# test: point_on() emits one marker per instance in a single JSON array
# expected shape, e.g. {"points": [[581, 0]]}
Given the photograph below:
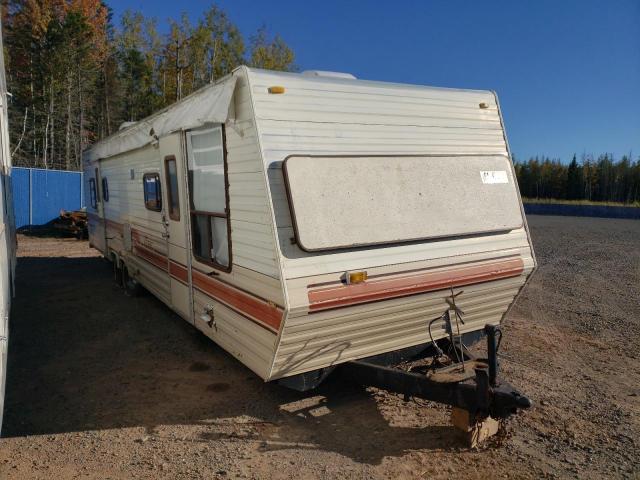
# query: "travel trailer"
{"points": [[302, 221], [7, 232]]}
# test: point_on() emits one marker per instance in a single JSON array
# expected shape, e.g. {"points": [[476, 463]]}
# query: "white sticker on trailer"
{"points": [[494, 176]]}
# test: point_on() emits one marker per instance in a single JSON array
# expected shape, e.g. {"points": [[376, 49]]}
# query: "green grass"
{"points": [[578, 202]]}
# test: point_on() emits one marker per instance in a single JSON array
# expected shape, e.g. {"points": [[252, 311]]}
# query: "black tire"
{"points": [[131, 286], [118, 274]]}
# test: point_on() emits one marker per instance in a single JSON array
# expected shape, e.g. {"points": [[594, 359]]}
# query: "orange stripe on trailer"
{"points": [[263, 312], [179, 272], [384, 289], [257, 310], [147, 241], [260, 311], [150, 256]]}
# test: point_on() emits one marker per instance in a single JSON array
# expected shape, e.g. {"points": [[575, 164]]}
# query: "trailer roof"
{"points": [[343, 78], [210, 104]]}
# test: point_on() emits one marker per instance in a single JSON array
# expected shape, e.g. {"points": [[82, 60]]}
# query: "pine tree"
{"points": [[75, 77], [271, 54], [574, 180]]}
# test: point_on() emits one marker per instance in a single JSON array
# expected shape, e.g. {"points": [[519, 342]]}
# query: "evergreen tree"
{"points": [[574, 180], [75, 78], [602, 180]]}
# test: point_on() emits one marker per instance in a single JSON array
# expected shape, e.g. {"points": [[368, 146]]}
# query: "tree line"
{"points": [[75, 76], [601, 179]]}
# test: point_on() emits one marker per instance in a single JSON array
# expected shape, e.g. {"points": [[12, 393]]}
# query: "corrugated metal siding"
{"points": [[21, 195], [52, 191], [298, 288], [252, 232], [126, 195], [253, 248], [252, 344], [45, 194], [254, 253], [317, 116], [340, 117], [327, 338], [330, 116], [300, 264], [126, 205]]}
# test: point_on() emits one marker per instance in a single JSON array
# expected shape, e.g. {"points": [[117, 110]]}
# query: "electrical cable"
{"points": [[435, 345]]}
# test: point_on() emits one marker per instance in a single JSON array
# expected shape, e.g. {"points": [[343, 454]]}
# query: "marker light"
{"points": [[356, 277], [276, 89], [484, 105]]}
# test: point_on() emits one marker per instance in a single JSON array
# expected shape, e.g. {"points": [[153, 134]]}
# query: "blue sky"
{"points": [[567, 72]]}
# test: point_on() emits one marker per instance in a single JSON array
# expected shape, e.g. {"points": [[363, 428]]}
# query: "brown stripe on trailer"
{"points": [[150, 256], [265, 313], [262, 312], [370, 291], [179, 272]]}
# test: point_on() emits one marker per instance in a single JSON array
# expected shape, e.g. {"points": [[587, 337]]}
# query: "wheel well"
{"points": [[115, 258]]}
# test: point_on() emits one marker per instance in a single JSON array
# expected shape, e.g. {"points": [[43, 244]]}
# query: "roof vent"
{"points": [[124, 125], [322, 73]]}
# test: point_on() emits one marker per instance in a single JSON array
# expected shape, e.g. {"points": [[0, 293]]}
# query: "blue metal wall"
{"points": [[39, 195], [20, 190]]}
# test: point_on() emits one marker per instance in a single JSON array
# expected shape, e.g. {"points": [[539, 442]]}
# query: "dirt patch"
{"points": [[199, 367], [218, 387], [102, 385]]}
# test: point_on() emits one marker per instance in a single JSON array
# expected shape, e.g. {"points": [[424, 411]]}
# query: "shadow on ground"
{"points": [[83, 356]]}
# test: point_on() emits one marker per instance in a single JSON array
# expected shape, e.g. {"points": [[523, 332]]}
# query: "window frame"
{"points": [[172, 215], [158, 195], [93, 193], [226, 214], [105, 189]]}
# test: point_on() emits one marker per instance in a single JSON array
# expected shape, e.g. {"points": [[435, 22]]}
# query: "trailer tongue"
{"points": [[470, 385]]}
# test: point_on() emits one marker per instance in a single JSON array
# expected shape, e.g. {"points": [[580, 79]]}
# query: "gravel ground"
{"points": [[101, 385]]}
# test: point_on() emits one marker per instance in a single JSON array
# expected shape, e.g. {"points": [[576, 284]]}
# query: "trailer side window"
{"points": [[105, 190], [171, 170], [97, 176], [152, 192], [209, 196], [92, 193]]}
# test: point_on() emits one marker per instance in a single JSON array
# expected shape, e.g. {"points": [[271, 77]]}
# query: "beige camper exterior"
{"points": [[7, 232], [247, 206]]}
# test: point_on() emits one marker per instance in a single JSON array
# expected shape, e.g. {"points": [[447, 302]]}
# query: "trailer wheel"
{"points": [[118, 274], [131, 286]]}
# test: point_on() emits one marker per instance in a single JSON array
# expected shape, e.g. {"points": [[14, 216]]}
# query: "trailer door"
{"points": [[95, 209], [175, 222]]}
